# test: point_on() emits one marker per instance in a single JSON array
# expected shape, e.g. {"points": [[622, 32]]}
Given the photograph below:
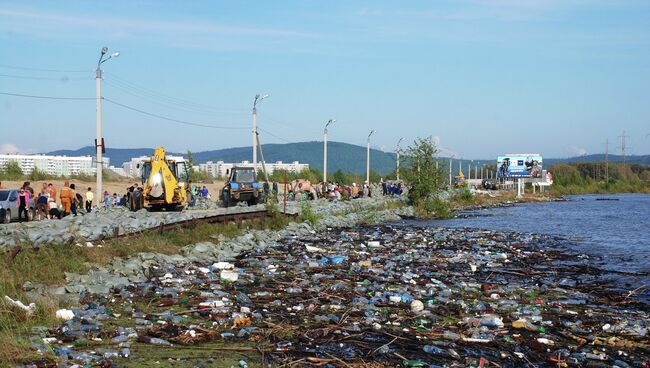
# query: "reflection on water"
{"points": [[617, 231]]}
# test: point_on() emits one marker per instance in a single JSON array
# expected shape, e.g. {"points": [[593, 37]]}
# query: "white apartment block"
{"points": [[222, 169], [131, 167], [53, 165]]}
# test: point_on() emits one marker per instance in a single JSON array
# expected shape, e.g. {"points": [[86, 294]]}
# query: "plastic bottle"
{"points": [[433, 350]]}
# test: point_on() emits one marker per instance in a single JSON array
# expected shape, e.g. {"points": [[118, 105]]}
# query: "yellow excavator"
{"points": [[163, 182], [459, 180]]}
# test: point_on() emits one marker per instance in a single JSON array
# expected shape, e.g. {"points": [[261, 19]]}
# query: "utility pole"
{"points": [[623, 146], [397, 152], [607, 161], [258, 98], [330, 121], [368, 159], [450, 169], [100, 148], [266, 176]]}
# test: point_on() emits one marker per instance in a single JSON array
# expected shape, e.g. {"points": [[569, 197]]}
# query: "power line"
{"points": [[47, 97], [64, 78], [165, 103], [43, 70], [172, 119], [273, 135], [174, 100]]}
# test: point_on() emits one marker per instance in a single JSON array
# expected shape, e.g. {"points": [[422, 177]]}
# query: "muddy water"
{"points": [[615, 232]]}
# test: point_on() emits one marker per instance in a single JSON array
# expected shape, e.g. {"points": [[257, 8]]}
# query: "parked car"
{"points": [[9, 206]]}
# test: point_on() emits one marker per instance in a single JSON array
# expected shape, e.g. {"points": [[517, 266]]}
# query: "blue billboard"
{"points": [[519, 166]]}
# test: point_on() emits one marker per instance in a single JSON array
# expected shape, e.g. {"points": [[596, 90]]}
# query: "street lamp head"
{"points": [[115, 54], [330, 121], [104, 50]]}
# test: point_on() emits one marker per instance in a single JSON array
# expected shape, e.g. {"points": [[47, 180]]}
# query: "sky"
{"points": [[483, 78]]}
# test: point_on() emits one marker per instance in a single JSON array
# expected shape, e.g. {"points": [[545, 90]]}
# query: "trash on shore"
{"points": [[388, 294]]}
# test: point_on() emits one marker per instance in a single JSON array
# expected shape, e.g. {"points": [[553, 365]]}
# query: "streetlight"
{"points": [[397, 153], [99, 141], [258, 98], [368, 159], [330, 121]]}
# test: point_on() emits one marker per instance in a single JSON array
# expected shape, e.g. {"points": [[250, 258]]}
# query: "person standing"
{"points": [[74, 203], [27, 186], [23, 204], [107, 199], [66, 196], [52, 190], [89, 200]]}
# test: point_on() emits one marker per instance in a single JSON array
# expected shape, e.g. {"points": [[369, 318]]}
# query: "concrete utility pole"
{"points": [[330, 121], [99, 140], [258, 98], [450, 169], [397, 149], [607, 161], [368, 158]]}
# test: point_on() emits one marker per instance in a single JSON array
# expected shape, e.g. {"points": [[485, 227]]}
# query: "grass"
{"points": [[48, 265]]}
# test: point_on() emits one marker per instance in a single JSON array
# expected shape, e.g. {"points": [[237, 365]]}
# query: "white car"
{"points": [[9, 206]]}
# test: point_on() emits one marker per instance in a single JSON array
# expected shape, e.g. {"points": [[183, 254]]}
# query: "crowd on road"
{"points": [[51, 202], [305, 190]]}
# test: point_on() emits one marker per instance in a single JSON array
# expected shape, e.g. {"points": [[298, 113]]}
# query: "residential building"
{"points": [[222, 169], [133, 167], [53, 165]]}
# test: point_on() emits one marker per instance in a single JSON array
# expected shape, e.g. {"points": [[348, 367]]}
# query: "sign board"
{"points": [[526, 165]]}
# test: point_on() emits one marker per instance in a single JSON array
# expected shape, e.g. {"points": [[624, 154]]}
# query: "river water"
{"points": [[615, 232]]}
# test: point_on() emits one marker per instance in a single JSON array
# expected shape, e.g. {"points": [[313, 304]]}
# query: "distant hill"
{"points": [[600, 157], [344, 156]]}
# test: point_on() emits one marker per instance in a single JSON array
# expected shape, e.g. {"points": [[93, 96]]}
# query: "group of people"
{"points": [[194, 191], [71, 201], [304, 190], [46, 201]]}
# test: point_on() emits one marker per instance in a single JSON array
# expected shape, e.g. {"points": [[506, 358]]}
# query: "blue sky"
{"points": [[557, 77]]}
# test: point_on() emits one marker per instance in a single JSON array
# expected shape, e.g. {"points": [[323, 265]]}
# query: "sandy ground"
{"points": [[112, 186]]}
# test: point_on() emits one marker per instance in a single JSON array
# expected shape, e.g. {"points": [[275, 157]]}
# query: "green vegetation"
{"points": [[584, 178], [307, 214], [316, 176], [11, 171], [424, 180]]}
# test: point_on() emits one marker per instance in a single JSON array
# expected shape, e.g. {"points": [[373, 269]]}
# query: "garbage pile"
{"points": [[380, 296]]}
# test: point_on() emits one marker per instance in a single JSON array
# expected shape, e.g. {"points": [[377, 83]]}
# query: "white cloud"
{"points": [[6, 148], [577, 151], [174, 32]]}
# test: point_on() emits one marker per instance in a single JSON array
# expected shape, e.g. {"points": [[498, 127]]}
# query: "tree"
{"points": [[12, 170], [421, 176]]}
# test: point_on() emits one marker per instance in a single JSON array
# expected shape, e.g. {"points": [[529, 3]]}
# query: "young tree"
{"points": [[420, 174]]}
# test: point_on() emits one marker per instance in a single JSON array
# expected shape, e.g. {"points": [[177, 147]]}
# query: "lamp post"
{"points": [[368, 158], [330, 121], [397, 154], [258, 98], [99, 140]]}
